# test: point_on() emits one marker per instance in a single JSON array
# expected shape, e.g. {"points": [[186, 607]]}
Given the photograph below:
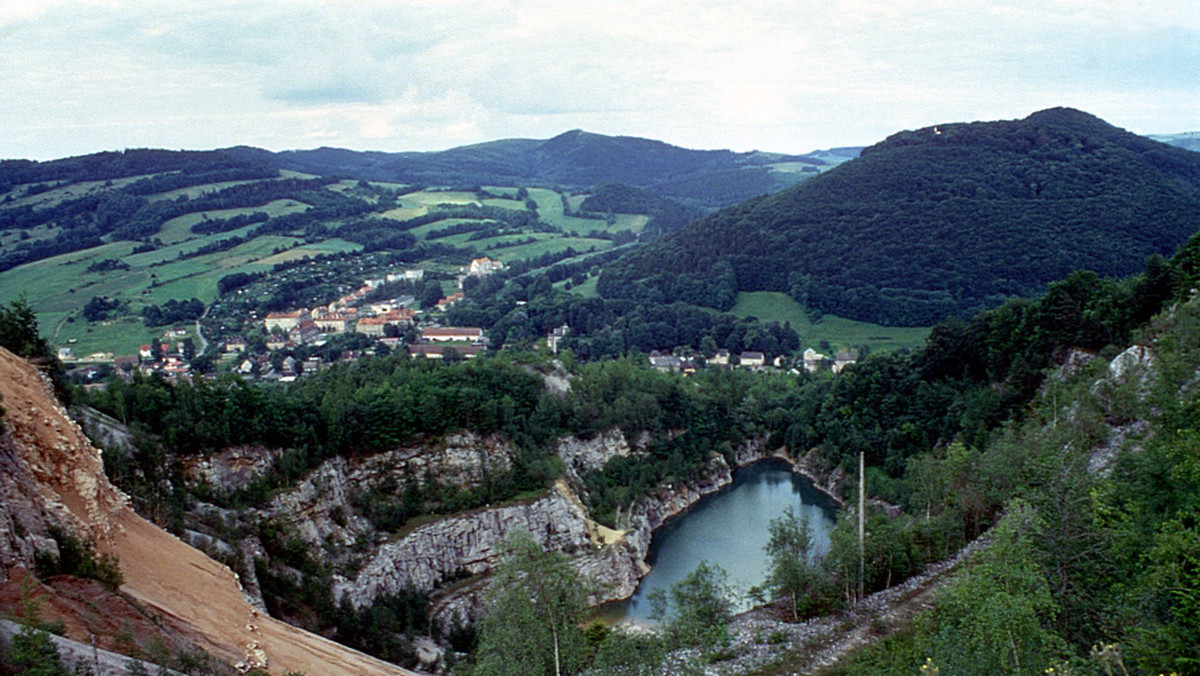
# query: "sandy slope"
{"points": [[160, 570]]}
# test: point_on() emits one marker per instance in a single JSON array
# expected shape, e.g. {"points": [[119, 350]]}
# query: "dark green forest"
{"points": [[940, 221]]}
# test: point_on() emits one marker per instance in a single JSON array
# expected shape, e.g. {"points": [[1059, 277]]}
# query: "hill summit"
{"points": [[942, 220], [576, 158]]}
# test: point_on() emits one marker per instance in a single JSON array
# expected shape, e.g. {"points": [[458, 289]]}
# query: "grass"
{"points": [[72, 191], [550, 210], [59, 287], [429, 198], [194, 191], [585, 290], [840, 333], [515, 205], [547, 246], [180, 229], [404, 213], [121, 336]]}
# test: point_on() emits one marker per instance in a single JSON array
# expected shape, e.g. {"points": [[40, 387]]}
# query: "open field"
{"points": [[194, 191], [429, 198], [840, 333], [69, 191], [586, 290], [180, 229], [550, 210], [545, 246]]}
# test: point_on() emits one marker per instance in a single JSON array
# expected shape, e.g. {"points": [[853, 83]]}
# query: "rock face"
{"points": [[584, 455], [49, 471], [233, 468], [468, 544]]}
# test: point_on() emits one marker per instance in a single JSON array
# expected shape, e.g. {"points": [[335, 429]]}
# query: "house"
{"points": [[285, 321], [332, 323], [434, 351], [235, 344], [482, 267], [813, 360], [720, 358], [371, 326], [65, 354], [449, 300], [146, 352], [441, 334], [407, 275], [276, 342], [305, 332], [844, 359], [400, 317], [555, 336], [752, 359], [665, 362]]}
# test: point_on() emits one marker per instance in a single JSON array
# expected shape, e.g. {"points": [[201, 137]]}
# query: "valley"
{"points": [[363, 398]]}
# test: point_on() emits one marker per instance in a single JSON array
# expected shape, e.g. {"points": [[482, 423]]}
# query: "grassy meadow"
{"points": [[838, 332]]}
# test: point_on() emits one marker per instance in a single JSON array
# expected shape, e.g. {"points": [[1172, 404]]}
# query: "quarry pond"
{"points": [[730, 529]]}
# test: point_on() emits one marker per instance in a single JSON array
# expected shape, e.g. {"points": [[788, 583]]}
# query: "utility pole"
{"points": [[862, 510]]}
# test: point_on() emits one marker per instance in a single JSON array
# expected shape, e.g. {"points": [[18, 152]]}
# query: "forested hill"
{"points": [[573, 159], [938, 221]]}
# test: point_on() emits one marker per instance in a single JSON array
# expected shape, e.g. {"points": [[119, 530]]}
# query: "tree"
{"points": [[19, 331], [536, 604], [34, 654], [698, 609], [790, 550], [994, 616]]}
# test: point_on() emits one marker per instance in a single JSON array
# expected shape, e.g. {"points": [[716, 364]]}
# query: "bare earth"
{"points": [[160, 571]]}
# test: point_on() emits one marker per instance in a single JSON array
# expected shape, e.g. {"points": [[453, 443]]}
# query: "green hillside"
{"points": [[939, 221], [575, 159], [125, 231]]}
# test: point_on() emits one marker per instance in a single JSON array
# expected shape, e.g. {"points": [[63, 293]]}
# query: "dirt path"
{"points": [[820, 643]]}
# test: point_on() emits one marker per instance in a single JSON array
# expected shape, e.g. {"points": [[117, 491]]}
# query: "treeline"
{"points": [[928, 224], [210, 226], [666, 216], [84, 221], [189, 177], [113, 165], [173, 312], [511, 217]]}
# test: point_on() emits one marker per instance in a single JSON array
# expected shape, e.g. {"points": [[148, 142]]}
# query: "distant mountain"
{"points": [[574, 159], [941, 220], [1189, 140]]}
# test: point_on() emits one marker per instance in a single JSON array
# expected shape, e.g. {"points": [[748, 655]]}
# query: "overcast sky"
{"points": [[785, 75]]}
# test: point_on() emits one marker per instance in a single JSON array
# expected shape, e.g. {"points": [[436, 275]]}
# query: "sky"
{"points": [[81, 76]]}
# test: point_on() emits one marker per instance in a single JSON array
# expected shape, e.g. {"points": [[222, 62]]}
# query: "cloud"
{"points": [[785, 75]]}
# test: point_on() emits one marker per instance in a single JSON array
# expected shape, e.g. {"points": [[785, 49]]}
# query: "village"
{"points": [[285, 345]]}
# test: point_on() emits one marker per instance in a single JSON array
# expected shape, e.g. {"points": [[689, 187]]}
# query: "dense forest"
{"points": [[939, 221]]}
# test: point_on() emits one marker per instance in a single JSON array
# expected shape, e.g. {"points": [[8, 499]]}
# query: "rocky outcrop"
{"points": [[462, 459], [49, 471], [319, 509], [470, 544], [584, 455], [233, 468], [467, 544]]}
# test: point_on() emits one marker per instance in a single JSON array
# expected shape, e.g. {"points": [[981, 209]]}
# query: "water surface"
{"points": [[730, 529]]}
